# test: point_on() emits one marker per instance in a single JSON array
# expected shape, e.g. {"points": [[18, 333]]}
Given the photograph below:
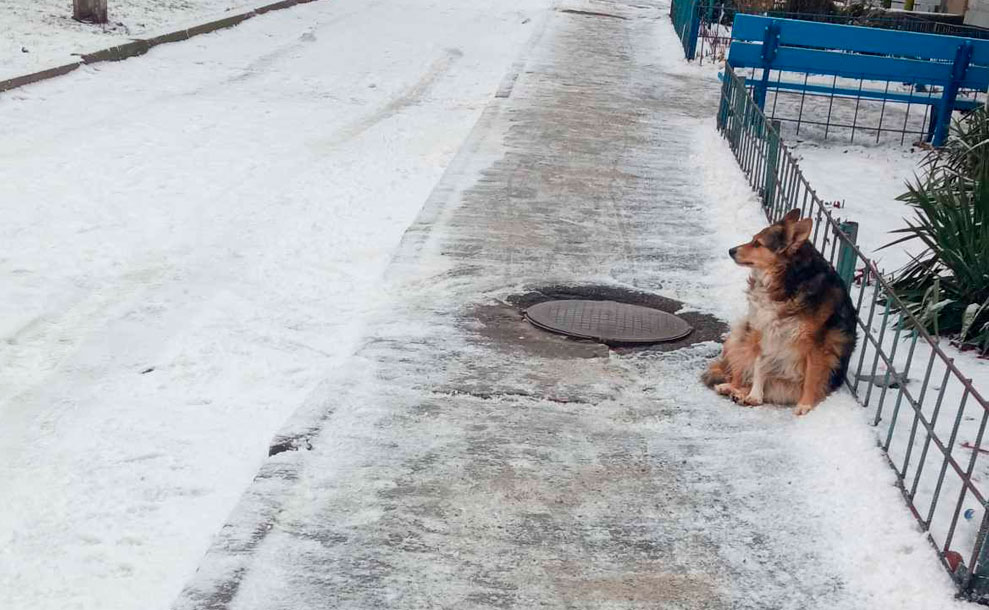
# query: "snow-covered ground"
{"points": [[184, 261], [442, 475], [839, 429], [867, 180], [40, 34], [188, 259], [861, 181]]}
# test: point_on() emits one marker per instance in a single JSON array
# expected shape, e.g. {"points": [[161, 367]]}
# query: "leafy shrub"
{"points": [[947, 286]]}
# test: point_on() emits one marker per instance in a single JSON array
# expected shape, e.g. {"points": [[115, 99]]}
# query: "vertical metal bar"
{"points": [[790, 175], [882, 112], [858, 100], [918, 410], [776, 93], [770, 157], [792, 183], [906, 116], [967, 479], [803, 96], [723, 101], [949, 447], [927, 439], [827, 124], [759, 153], [784, 175], [739, 94], [817, 220], [875, 361], [868, 330], [834, 244], [899, 395]]}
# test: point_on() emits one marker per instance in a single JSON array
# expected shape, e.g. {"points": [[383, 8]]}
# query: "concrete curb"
{"points": [[27, 79], [140, 46]]}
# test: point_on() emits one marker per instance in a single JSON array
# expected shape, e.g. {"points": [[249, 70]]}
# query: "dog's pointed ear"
{"points": [[798, 232], [792, 216]]}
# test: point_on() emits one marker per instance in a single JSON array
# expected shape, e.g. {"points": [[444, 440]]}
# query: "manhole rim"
{"points": [[687, 327]]}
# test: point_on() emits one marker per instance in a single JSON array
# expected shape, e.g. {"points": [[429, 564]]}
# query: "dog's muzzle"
{"points": [[732, 252]]}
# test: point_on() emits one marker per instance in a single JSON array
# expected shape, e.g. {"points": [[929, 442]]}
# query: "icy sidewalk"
{"points": [[463, 460]]}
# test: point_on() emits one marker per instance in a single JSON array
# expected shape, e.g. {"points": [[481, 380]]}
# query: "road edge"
{"points": [[140, 46]]}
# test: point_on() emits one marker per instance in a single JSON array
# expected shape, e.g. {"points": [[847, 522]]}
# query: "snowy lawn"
{"points": [[842, 469], [861, 182], [867, 180], [186, 260], [40, 34]]}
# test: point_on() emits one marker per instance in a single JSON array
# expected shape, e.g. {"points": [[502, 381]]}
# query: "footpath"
{"points": [[466, 460]]}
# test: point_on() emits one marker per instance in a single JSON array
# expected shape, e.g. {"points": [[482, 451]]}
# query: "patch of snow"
{"points": [[865, 181], [838, 467], [187, 258], [40, 34]]}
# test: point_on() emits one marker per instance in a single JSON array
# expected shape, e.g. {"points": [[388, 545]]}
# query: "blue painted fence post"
{"points": [[947, 104], [770, 46]]}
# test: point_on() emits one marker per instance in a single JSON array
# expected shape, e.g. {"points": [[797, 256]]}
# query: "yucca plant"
{"points": [[965, 155], [946, 287]]}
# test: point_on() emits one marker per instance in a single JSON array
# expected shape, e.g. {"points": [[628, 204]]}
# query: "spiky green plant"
{"points": [[946, 287], [963, 158]]}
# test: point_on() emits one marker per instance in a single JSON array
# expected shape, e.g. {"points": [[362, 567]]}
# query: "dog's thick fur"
{"points": [[794, 344]]}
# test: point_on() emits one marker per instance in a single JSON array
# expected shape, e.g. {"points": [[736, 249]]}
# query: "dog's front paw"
{"points": [[751, 400], [725, 389], [739, 395], [803, 409]]}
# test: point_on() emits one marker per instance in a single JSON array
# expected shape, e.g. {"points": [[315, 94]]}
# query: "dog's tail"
{"points": [[716, 373]]}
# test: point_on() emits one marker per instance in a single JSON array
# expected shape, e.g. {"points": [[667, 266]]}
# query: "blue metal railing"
{"points": [[705, 25]]}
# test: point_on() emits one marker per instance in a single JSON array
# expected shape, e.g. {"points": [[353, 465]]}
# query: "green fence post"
{"points": [[724, 103], [846, 255], [772, 164], [695, 29], [978, 585], [738, 112]]}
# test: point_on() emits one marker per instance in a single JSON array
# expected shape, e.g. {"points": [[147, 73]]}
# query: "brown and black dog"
{"points": [[794, 344]]}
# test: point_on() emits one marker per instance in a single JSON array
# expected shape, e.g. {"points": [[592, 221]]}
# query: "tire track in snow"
{"points": [[410, 97]]}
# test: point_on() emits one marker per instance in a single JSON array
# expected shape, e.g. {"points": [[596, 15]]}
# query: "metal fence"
{"points": [[823, 108], [704, 26], [817, 107], [930, 419]]}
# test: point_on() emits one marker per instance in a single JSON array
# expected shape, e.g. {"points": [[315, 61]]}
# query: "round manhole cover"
{"points": [[608, 321]]}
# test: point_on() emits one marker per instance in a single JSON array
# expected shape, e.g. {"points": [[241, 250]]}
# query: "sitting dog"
{"points": [[794, 344]]}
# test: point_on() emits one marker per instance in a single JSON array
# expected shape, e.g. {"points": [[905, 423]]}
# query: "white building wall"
{"points": [[977, 13]]}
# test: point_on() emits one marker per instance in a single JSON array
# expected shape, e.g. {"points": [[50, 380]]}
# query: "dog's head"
{"points": [[774, 245]]}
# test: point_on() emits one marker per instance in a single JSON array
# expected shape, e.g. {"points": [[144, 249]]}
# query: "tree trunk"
{"points": [[93, 11]]}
